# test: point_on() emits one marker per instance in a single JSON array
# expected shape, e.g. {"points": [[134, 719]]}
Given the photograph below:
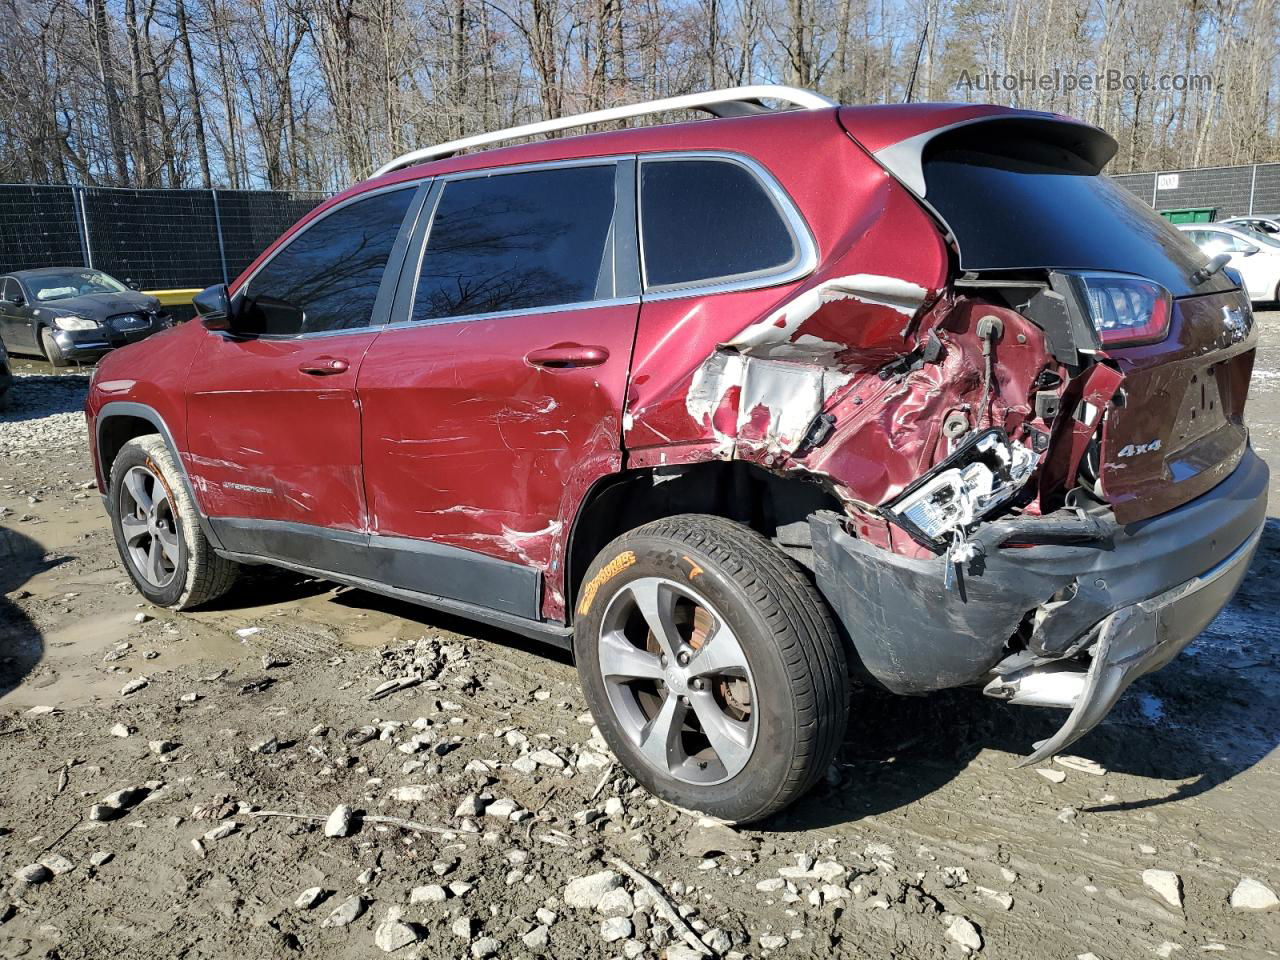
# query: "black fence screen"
{"points": [[1225, 191], [193, 238], [158, 238]]}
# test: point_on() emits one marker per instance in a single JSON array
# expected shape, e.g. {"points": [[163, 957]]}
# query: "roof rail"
{"points": [[734, 101]]}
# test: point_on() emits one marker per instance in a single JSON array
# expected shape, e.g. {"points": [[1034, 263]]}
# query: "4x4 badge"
{"points": [[1134, 449]]}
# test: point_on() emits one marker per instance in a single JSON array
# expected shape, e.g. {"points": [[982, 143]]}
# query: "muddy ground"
{"points": [[925, 842]]}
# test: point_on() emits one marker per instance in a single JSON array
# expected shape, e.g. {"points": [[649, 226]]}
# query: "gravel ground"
{"points": [[223, 784]]}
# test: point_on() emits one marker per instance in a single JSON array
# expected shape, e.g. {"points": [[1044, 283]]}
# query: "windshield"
{"points": [[73, 283], [1022, 214]]}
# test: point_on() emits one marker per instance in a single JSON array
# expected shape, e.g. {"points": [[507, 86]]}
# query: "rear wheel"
{"points": [[52, 352], [157, 531], [712, 666]]}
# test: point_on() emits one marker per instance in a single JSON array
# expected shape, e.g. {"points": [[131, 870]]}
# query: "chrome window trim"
{"points": [[444, 180], [805, 262], [501, 314]]}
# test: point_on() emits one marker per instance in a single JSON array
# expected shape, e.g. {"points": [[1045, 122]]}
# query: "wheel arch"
{"points": [[774, 505], [120, 421]]}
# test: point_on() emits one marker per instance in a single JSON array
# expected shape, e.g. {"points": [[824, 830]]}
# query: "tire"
{"points": [[779, 716], [52, 352], [188, 572]]}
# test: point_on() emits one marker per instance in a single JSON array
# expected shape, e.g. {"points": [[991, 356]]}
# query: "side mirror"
{"points": [[213, 306], [1250, 250], [19, 299], [132, 284]]}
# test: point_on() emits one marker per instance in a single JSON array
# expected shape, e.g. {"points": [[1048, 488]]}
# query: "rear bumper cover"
{"points": [[1144, 637], [1137, 594]]}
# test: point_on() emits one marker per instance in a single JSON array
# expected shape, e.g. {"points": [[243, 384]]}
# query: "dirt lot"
{"points": [[925, 842]]}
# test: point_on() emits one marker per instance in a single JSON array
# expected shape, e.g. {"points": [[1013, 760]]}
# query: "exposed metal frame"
{"points": [[804, 99]]}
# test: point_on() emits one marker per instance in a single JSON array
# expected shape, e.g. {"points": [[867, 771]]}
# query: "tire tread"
{"points": [[803, 629]]}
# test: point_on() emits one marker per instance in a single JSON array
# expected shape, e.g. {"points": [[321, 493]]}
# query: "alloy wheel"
{"points": [[678, 681], [149, 525]]}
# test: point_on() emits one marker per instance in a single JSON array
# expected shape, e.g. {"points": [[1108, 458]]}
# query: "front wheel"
{"points": [[157, 530], [712, 666], [52, 352]]}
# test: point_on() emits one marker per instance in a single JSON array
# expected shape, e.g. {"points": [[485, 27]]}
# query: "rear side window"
{"points": [[709, 221], [518, 241], [328, 276]]}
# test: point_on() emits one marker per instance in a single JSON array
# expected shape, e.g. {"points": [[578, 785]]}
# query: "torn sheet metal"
{"points": [[760, 391], [765, 405], [779, 335]]}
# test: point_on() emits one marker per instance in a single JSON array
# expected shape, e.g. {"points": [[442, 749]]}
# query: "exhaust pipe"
{"points": [[1052, 685]]}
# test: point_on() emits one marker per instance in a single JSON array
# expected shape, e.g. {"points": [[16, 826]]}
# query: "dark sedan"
{"points": [[6, 377], [73, 313]]}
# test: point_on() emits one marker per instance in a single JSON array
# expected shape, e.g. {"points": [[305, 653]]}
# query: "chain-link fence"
{"points": [[158, 238], [1226, 191]]}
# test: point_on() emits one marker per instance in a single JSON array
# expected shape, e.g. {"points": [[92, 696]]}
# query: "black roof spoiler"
{"points": [[1042, 140]]}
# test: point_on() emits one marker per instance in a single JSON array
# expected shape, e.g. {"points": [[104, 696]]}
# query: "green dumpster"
{"points": [[1191, 215]]}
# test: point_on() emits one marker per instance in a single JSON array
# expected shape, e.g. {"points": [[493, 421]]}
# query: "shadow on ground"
{"points": [[21, 644], [1210, 715]]}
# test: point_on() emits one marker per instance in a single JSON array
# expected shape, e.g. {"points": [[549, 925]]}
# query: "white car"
{"points": [[1261, 223], [1255, 255]]}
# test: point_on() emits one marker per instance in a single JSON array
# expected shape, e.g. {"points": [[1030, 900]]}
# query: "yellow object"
{"points": [[606, 573], [173, 298]]}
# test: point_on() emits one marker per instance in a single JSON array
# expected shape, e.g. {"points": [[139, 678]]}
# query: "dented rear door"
{"points": [[495, 401]]}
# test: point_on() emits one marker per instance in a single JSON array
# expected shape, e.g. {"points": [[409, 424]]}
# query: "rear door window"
{"points": [[526, 240], [328, 276], [708, 221]]}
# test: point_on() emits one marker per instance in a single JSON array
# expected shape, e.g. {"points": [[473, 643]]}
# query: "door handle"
{"points": [[567, 355], [324, 366]]}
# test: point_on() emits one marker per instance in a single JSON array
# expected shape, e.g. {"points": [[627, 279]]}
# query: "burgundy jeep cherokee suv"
{"points": [[725, 406]]}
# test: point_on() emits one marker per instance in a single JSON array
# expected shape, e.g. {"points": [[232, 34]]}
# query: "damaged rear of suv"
{"points": [[1088, 500], [726, 407]]}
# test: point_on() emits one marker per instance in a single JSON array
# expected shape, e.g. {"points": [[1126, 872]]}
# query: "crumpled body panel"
{"points": [[743, 375]]}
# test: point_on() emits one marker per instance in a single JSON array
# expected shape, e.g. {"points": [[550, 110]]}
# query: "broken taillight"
{"points": [[1125, 310]]}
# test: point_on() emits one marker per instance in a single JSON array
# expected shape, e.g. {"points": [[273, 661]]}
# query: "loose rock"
{"points": [[33, 873], [309, 897], [431, 893], [347, 911], [339, 822], [615, 928], [1081, 764], [1251, 894], [1166, 884], [963, 932], [392, 935], [585, 893]]}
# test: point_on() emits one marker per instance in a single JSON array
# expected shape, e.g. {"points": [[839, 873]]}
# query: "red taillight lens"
{"points": [[1126, 310]]}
